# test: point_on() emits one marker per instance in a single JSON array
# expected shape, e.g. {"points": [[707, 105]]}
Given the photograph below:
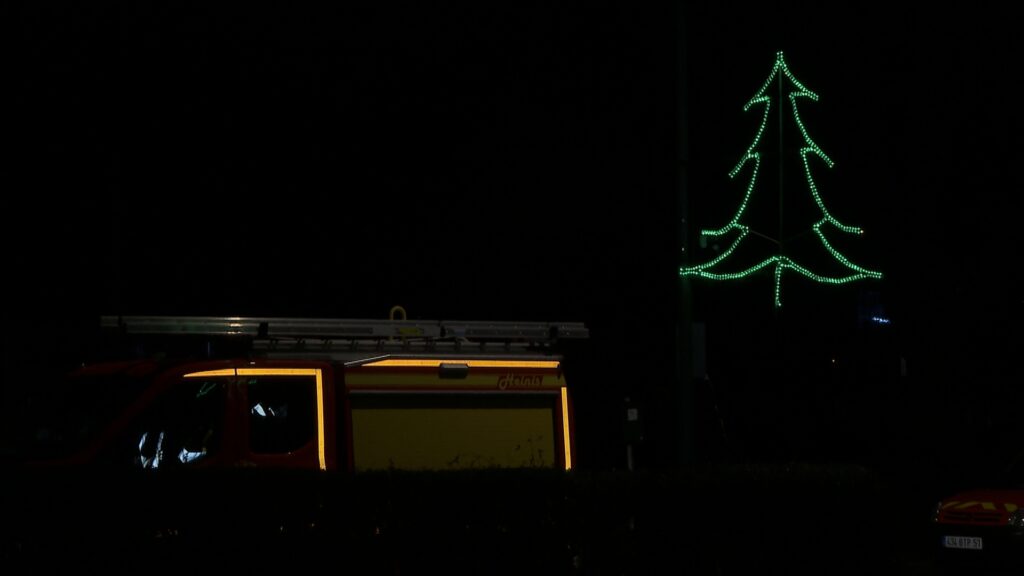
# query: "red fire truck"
{"points": [[333, 394], [255, 438]]}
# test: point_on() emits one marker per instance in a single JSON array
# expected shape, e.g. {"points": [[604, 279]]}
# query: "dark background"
{"points": [[538, 161]]}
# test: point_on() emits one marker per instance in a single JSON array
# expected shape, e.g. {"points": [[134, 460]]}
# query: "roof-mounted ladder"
{"points": [[347, 329]]}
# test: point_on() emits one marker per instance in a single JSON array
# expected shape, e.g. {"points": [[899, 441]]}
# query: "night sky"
{"points": [[530, 161]]}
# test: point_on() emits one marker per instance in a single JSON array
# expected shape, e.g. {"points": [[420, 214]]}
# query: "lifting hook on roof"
{"points": [[391, 316]]}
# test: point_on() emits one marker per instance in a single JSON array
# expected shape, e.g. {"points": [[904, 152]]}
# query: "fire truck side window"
{"points": [[282, 413], [181, 427]]}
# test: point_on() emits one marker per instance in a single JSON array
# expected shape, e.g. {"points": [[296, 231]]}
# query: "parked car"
{"points": [[983, 528]]}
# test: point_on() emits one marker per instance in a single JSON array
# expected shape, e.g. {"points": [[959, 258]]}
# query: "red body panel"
{"points": [[980, 507]]}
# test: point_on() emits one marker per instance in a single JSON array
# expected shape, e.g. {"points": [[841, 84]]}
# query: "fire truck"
{"points": [[328, 394], [387, 442]]}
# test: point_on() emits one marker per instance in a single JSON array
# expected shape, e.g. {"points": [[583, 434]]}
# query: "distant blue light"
{"points": [[880, 320]]}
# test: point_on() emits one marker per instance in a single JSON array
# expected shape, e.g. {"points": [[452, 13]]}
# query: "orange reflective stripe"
{"points": [[209, 373], [436, 362], [565, 428]]}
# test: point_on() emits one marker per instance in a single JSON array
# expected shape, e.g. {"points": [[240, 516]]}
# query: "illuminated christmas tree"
{"points": [[738, 230]]}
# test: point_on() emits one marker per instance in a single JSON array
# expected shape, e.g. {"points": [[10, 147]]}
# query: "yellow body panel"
{"points": [[452, 438]]}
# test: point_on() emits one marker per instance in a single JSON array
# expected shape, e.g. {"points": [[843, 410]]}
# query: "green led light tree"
{"points": [[779, 262]]}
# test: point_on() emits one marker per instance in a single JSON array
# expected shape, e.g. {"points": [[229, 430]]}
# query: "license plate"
{"points": [[962, 542]]}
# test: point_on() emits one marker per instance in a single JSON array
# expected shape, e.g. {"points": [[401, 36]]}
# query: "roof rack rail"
{"points": [[351, 329]]}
